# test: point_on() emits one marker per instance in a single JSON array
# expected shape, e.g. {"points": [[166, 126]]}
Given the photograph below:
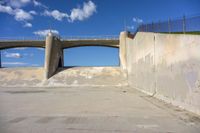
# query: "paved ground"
{"points": [[89, 110]]}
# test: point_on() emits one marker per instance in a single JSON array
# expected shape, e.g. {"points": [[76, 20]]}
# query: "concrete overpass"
{"points": [[54, 48], [65, 43]]}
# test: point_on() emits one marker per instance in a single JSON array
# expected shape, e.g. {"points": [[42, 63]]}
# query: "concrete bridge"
{"points": [[54, 48], [6, 44]]}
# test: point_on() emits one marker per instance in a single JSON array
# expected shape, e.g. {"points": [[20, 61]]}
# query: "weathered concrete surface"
{"points": [[21, 76], [89, 110], [80, 43], [53, 55], [13, 44], [77, 76], [88, 76], [166, 66], [122, 50]]}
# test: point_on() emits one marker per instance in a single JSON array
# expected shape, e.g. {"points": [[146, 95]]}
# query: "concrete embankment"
{"points": [[166, 66], [77, 76]]}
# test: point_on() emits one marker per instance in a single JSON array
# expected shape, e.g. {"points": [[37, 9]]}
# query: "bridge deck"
{"points": [[18, 43], [5, 44]]}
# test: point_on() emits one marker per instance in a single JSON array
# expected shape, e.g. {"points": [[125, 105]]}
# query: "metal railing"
{"points": [[104, 37], [22, 38], [180, 25]]}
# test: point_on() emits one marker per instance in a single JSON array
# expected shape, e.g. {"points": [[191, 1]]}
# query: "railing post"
{"points": [[169, 25], [146, 28], [153, 30], [184, 24], [159, 27], [0, 59]]}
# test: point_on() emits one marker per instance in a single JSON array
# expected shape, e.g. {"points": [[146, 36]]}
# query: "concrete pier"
{"points": [[122, 49], [53, 55]]}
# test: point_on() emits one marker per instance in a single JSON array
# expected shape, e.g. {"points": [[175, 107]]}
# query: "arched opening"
{"points": [[91, 56], [22, 57]]}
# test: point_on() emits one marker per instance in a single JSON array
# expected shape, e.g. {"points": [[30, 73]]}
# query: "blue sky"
{"points": [[33, 18]]}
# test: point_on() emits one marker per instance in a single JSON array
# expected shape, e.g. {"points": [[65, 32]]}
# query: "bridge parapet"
{"points": [[39, 38], [103, 37], [22, 38]]}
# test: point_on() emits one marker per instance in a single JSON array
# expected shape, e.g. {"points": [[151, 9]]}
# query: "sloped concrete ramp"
{"points": [[75, 76]]}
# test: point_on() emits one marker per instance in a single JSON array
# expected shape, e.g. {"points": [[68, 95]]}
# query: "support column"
{"points": [[53, 55], [122, 49]]}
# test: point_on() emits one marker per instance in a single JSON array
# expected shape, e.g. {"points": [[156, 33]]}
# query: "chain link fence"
{"points": [[180, 25]]}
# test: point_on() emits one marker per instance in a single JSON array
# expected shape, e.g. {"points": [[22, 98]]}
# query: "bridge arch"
{"points": [[90, 45], [22, 57], [91, 55], [81, 43]]}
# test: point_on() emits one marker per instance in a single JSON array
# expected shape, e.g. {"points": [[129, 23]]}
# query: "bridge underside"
{"points": [[64, 43], [14, 44], [78, 43]]}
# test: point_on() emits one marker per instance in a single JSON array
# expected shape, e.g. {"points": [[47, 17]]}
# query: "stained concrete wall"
{"points": [[122, 50], [53, 55], [166, 66]]}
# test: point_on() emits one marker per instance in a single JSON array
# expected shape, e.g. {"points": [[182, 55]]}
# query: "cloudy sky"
{"points": [[34, 18]]}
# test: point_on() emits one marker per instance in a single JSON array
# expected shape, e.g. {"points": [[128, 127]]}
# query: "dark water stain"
{"points": [[24, 92], [45, 120], [72, 120], [17, 120]]}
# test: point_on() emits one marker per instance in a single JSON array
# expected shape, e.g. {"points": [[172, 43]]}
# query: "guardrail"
{"points": [[106, 37], [190, 24], [22, 38]]}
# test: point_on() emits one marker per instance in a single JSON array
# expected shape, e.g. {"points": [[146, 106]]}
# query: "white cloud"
{"points": [[14, 63], [36, 3], [88, 9], [21, 15], [43, 33], [17, 3], [6, 9], [33, 12], [12, 55], [21, 48], [130, 27], [28, 25], [137, 20], [55, 14], [81, 14], [39, 4], [41, 49]]}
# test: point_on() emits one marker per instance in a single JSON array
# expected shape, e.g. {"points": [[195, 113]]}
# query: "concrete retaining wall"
{"points": [[166, 66]]}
